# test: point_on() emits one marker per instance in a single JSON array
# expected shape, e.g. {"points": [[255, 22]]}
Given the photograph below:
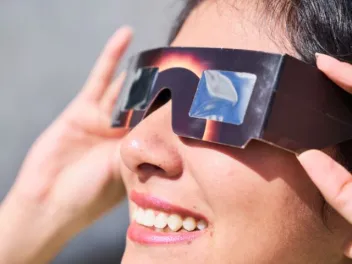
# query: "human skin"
{"points": [[70, 176], [260, 204]]}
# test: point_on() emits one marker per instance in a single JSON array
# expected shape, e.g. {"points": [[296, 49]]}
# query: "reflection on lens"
{"points": [[141, 84], [223, 96]]}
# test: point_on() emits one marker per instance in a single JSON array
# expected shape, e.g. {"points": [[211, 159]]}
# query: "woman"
{"points": [[256, 205]]}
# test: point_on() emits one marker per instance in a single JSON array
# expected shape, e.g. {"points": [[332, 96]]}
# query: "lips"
{"points": [[158, 222]]}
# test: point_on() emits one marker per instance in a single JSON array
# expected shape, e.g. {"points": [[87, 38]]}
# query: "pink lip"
{"points": [[144, 235], [146, 201]]}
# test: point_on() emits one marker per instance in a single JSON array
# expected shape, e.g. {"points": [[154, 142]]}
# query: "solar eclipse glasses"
{"points": [[231, 97]]}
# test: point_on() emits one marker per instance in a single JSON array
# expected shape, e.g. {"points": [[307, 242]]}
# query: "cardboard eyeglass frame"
{"points": [[293, 105]]}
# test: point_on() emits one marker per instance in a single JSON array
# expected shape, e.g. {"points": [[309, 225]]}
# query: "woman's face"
{"points": [[252, 206]]}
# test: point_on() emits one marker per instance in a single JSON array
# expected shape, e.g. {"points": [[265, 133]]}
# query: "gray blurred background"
{"points": [[47, 49]]}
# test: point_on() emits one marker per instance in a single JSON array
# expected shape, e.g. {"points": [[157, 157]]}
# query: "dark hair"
{"points": [[323, 26]]}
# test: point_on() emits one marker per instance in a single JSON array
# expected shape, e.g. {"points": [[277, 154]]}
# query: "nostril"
{"points": [[150, 169]]}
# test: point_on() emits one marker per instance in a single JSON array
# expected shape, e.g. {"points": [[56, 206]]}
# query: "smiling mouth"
{"points": [[158, 222]]}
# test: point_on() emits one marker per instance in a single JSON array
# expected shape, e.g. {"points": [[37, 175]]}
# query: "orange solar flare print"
{"points": [[193, 64], [186, 61]]}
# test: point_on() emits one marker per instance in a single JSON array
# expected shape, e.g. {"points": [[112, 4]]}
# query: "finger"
{"points": [[348, 250], [109, 99], [334, 181], [83, 189], [339, 72], [103, 71]]}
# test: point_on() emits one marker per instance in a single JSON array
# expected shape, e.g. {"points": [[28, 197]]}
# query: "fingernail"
{"points": [[325, 62], [321, 56], [326, 57], [317, 54], [306, 158]]}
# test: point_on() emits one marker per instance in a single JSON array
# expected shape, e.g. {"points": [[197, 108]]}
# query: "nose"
{"points": [[152, 148]]}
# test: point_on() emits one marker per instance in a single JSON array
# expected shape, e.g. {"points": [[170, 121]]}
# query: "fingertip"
{"points": [[339, 72], [124, 31], [121, 38], [310, 159], [309, 153], [348, 250], [325, 62]]}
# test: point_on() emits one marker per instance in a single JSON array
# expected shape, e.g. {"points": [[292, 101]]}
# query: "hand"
{"points": [[71, 174], [334, 181]]}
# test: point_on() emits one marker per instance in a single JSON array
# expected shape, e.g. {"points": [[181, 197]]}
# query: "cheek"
{"points": [[128, 178], [244, 180], [262, 196]]}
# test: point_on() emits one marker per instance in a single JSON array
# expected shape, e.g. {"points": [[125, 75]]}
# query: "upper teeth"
{"points": [[189, 224], [161, 220], [175, 222]]}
